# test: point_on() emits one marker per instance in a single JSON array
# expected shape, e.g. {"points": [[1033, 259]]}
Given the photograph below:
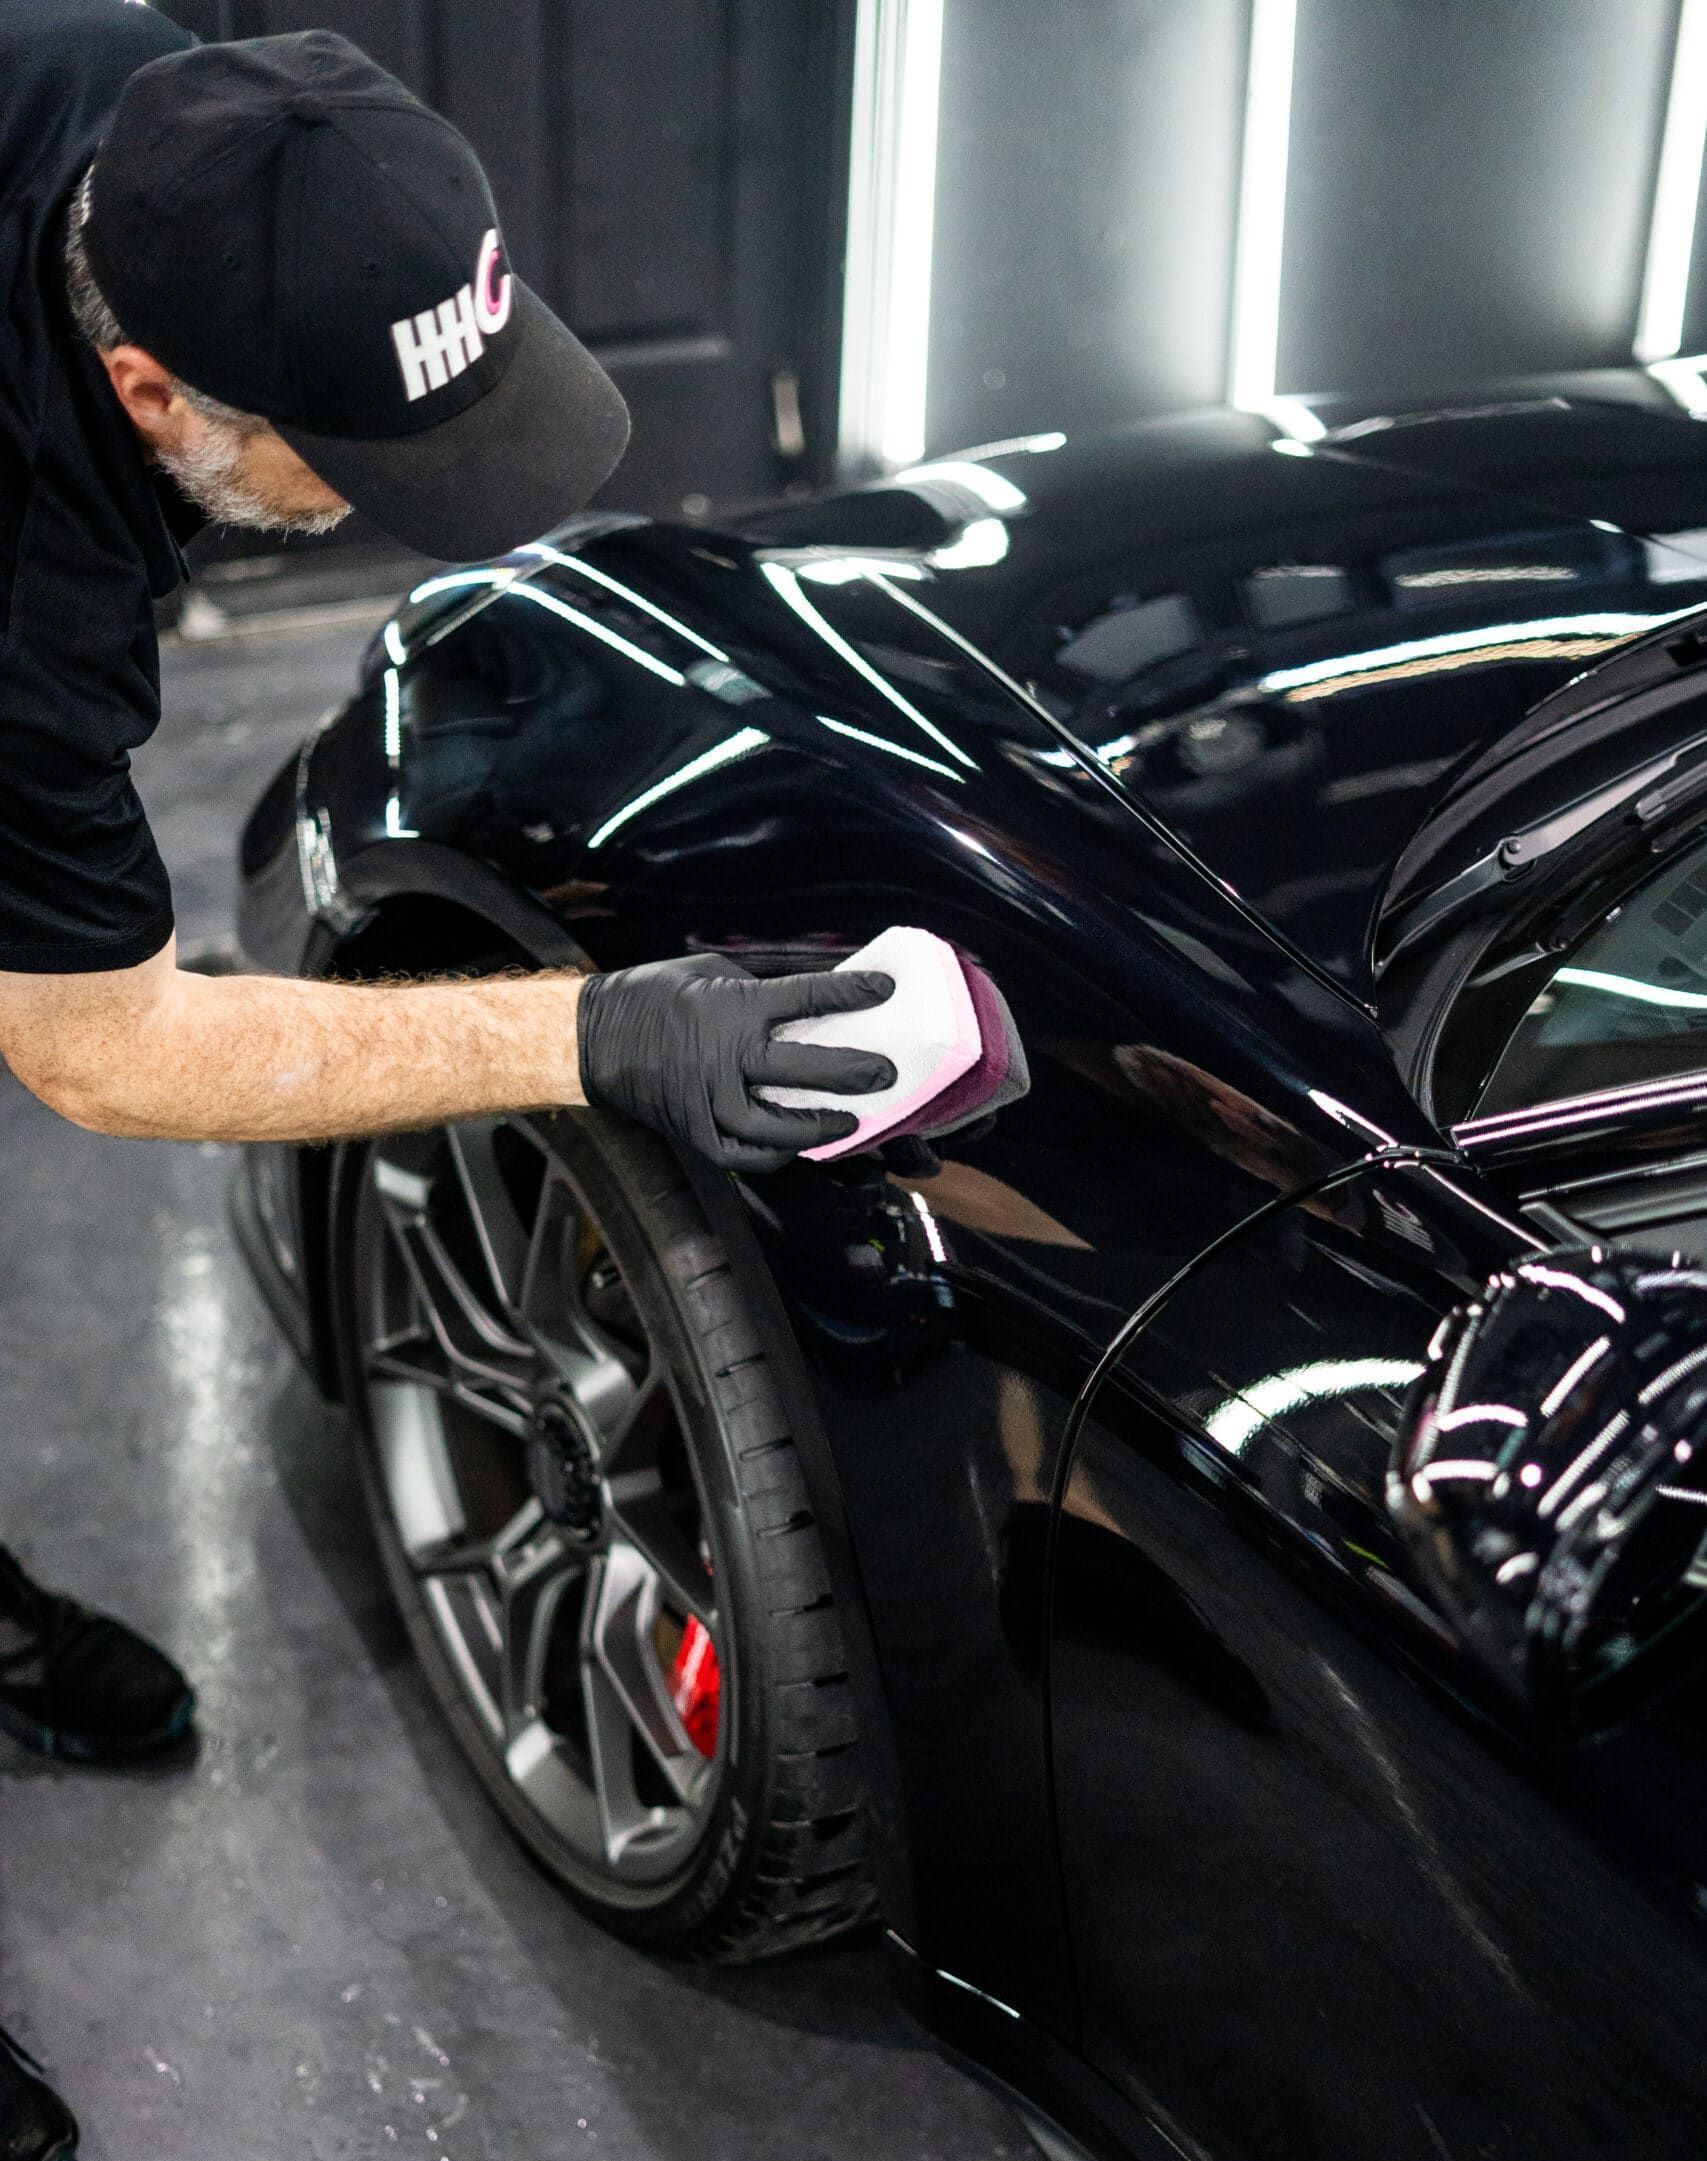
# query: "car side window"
{"points": [[1629, 1004]]}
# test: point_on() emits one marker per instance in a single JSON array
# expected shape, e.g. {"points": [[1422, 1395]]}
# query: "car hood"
{"points": [[1284, 651]]}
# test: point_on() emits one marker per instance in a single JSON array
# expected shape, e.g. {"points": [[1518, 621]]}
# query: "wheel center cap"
{"points": [[563, 1471]]}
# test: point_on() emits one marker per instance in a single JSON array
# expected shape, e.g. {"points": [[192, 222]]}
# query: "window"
{"points": [[1629, 1005]]}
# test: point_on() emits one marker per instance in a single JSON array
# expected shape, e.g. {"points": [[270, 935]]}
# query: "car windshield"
{"points": [[1628, 1005]]}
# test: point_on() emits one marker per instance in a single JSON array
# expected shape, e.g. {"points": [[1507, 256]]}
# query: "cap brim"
{"points": [[518, 461]]}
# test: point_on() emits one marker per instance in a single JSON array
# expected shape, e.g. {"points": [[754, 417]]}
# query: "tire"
{"points": [[554, 1544]]}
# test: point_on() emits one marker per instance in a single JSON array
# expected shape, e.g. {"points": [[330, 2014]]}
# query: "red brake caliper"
{"points": [[696, 1684]]}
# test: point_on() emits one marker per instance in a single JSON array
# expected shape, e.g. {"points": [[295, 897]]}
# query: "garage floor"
{"points": [[311, 1936]]}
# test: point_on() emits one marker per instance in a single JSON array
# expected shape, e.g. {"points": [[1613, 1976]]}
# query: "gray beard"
{"points": [[209, 475]]}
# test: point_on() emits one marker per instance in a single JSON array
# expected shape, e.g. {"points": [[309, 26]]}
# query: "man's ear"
{"points": [[147, 391]]}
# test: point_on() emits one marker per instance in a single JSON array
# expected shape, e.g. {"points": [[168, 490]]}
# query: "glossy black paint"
{"points": [[1186, 1770]]}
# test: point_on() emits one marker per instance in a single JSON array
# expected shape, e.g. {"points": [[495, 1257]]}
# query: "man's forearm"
{"points": [[687, 1046], [237, 1058]]}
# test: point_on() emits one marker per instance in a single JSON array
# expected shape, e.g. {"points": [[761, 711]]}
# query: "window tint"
{"points": [[1630, 1004]]}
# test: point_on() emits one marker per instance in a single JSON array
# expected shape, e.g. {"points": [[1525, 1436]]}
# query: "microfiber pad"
{"points": [[1000, 1077], [964, 1098], [928, 1030]]}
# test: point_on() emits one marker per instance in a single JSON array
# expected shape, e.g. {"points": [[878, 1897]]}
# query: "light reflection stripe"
{"points": [[1451, 645], [452, 581], [1675, 1372], [1561, 1279], [1234, 1423], [623, 592], [787, 586], [1573, 1373], [734, 746], [1631, 987], [1583, 1462], [393, 717], [1479, 1414], [895, 750], [595, 629]]}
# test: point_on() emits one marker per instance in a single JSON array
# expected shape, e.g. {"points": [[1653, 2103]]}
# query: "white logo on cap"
{"points": [[440, 342]]}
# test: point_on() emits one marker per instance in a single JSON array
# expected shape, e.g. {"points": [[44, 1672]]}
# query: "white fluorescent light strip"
{"points": [[895, 750], [1262, 208], [734, 746], [891, 224], [783, 580], [1682, 380], [1677, 192]]}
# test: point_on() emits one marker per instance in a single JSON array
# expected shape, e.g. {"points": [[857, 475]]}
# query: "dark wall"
{"points": [[1088, 164], [670, 175], [1471, 186]]}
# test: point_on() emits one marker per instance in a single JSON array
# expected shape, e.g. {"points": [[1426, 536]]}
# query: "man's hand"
{"points": [[684, 1046]]}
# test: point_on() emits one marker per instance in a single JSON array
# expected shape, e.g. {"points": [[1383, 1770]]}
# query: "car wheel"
{"points": [[595, 1522]]}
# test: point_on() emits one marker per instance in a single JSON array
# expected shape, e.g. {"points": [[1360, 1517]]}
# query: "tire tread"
{"points": [[808, 1876]]}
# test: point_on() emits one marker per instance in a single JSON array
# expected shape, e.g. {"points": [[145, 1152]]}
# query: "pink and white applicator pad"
{"points": [[933, 1031]]}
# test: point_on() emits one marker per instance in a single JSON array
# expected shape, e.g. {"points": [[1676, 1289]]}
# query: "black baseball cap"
{"points": [[289, 229]]}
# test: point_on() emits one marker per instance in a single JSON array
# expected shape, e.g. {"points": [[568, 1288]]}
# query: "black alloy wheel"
{"points": [[595, 1522]]}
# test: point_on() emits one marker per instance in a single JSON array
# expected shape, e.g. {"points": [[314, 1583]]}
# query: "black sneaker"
{"points": [[35, 2124], [79, 1684]]}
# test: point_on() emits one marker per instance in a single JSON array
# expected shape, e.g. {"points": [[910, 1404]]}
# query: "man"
{"points": [[261, 282]]}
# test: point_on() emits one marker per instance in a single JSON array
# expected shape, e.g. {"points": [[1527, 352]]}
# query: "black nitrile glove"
{"points": [[682, 1045]]}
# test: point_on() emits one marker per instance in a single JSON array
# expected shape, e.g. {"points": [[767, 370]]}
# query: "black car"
{"points": [[1215, 1560]]}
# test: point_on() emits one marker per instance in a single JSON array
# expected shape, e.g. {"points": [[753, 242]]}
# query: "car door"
{"points": [[1329, 1893]]}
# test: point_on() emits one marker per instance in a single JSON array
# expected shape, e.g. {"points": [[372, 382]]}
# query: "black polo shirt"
{"points": [[88, 539]]}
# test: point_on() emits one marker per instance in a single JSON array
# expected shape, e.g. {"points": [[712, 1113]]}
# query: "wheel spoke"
{"points": [[414, 1355], [622, 1813], [619, 1646], [543, 1294], [644, 1513], [601, 1384], [646, 1521], [552, 1310], [504, 1240], [462, 1555], [635, 1437], [532, 1575], [478, 1347]]}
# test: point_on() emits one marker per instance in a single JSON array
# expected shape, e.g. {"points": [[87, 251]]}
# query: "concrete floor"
{"points": [[311, 1935]]}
